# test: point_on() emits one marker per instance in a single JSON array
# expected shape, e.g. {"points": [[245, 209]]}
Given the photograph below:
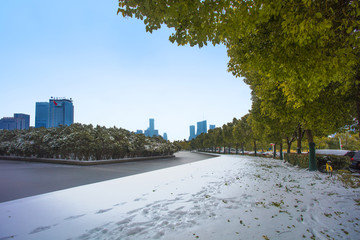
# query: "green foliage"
{"points": [[302, 160], [83, 142], [301, 58], [349, 180], [337, 162], [183, 145], [348, 140], [242, 132]]}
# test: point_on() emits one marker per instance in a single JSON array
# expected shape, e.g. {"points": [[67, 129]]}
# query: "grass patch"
{"points": [[277, 204], [348, 180]]}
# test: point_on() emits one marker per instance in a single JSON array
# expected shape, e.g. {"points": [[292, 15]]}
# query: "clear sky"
{"points": [[116, 73]]}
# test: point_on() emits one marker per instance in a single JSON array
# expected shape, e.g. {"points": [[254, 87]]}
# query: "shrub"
{"points": [[83, 142], [302, 160]]}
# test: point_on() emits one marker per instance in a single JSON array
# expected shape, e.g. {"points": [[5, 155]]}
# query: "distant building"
{"points": [[58, 111], [8, 123], [201, 127], [25, 123], [165, 136], [151, 131], [192, 132], [139, 132], [61, 112], [19, 121], [41, 114]]}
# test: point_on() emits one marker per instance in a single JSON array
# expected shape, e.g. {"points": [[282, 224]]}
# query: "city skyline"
{"points": [[201, 128], [116, 72]]}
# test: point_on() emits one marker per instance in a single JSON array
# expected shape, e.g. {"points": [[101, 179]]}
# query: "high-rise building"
{"points": [[152, 124], [151, 131], [192, 132], [41, 114], [58, 111], [24, 124], [19, 121], [201, 127], [8, 123], [61, 112], [212, 127], [165, 136]]}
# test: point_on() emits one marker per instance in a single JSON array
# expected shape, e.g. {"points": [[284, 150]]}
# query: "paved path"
{"points": [[24, 179]]}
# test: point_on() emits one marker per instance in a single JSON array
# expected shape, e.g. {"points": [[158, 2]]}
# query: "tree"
{"points": [[305, 48], [211, 139], [242, 132], [218, 138], [228, 137], [304, 45]]}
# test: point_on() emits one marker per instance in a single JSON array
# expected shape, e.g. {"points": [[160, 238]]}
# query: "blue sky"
{"points": [[116, 73]]}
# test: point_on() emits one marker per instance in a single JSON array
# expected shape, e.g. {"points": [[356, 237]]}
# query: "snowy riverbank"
{"points": [[229, 197]]}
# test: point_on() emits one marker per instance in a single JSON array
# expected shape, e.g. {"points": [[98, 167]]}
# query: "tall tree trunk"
{"points": [[237, 148], [274, 154], [312, 156], [357, 100], [299, 138], [358, 112], [255, 147], [281, 151], [242, 148], [288, 144]]}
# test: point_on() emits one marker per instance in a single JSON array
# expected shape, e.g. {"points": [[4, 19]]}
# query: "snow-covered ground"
{"points": [[229, 197]]}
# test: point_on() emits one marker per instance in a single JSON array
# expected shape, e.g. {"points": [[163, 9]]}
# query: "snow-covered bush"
{"points": [[82, 142]]}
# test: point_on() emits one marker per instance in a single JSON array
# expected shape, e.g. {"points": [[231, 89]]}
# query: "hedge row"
{"points": [[82, 142], [302, 160]]}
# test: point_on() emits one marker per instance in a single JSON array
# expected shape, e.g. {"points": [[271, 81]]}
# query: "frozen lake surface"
{"points": [[229, 197]]}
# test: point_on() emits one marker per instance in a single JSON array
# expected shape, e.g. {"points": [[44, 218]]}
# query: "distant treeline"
{"points": [[82, 142]]}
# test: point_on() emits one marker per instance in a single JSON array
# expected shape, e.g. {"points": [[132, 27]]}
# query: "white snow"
{"points": [[228, 197], [332, 151]]}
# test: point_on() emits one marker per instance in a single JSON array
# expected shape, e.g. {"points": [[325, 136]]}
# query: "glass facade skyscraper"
{"points": [[8, 123], [24, 123], [151, 131], [61, 112], [41, 114], [201, 127], [192, 132], [58, 111]]}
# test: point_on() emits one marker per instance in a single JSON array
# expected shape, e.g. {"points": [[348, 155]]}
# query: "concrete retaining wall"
{"points": [[80, 163]]}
